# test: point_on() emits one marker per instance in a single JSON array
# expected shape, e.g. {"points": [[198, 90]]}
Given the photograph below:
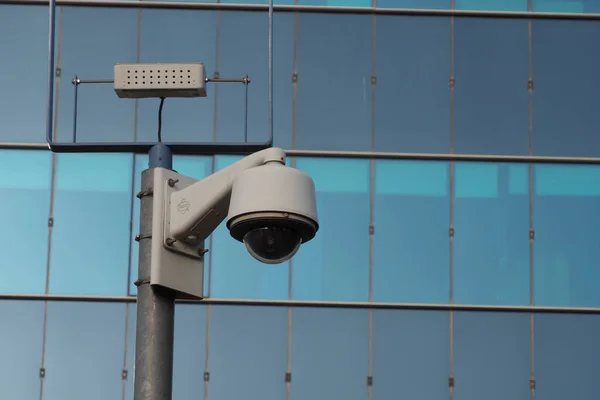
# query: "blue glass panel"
{"points": [[90, 239], [334, 94], [411, 354], [189, 352], [412, 104], [491, 5], [420, 4], [25, 192], [491, 101], [250, 56], [23, 72], [85, 344], [330, 353], [130, 354], [174, 36], [335, 264], [566, 6], [411, 217], [197, 167], [288, 2], [21, 339], [484, 345], [248, 353], [566, 356], [94, 40], [491, 239], [235, 274], [565, 99], [566, 208], [337, 3]]}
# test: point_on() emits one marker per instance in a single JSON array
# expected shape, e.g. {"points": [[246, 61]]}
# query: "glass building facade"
{"points": [[433, 276]]}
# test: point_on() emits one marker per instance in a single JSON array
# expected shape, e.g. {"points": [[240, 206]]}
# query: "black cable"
{"points": [[160, 108]]}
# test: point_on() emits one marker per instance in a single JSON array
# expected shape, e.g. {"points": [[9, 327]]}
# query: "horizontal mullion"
{"points": [[311, 9], [316, 304]]}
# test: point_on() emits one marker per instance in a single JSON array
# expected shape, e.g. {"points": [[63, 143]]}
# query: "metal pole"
{"points": [[155, 307]]}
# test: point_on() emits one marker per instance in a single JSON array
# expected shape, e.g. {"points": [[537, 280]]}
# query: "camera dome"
{"points": [[272, 244]]}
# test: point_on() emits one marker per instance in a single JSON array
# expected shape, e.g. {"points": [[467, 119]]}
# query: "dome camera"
{"points": [[269, 207], [272, 211]]}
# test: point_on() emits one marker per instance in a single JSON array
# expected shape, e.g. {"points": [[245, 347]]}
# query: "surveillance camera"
{"points": [[269, 207], [272, 211]]}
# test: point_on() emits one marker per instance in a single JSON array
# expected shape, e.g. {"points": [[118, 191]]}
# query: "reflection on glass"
{"points": [[491, 101], [491, 5], [21, 339], [329, 353], [411, 246], [412, 102], [93, 41], [565, 99], [79, 334], [566, 6], [25, 192], [491, 239], [335, 264], [234, 273], [174, 36], [410, 354], [249, 345], [23, 72], [334, 82], [419, 4], [90, 239], [566, 208], [566, 356], [250, 56], [486, 343]]}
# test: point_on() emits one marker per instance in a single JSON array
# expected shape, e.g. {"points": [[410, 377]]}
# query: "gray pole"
{"points": [[155, 307]]}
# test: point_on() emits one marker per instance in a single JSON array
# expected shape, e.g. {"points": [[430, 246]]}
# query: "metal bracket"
{"points": [[452, 83], [451, 232], [124, 375], [532, 384], [144, 193], [373, 80], [288, 377], [294, 78], [371, 229], [530, 84], [451, 382], [50, 222], [206, 376], [192, 247], [369, 381], [531, 234], [42, 372]]}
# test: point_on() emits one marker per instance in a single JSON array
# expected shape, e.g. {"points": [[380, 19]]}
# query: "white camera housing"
{"points": [[270, 207], [275, 197]]}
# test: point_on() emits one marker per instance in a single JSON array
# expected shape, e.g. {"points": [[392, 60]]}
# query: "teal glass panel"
{"points": [[334, 266], [25, 178], [411, 218]]}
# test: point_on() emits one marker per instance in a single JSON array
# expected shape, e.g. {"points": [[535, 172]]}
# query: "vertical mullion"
{"points": [[372, 203], [125, 372], [214, 167], [531, 194], [451, 211], [52, 192], [288, 373]]}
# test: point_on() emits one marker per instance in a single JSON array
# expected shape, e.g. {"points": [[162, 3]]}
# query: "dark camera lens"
{"points": [[272, 245]]}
